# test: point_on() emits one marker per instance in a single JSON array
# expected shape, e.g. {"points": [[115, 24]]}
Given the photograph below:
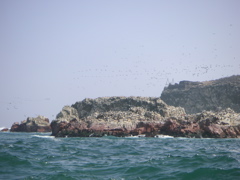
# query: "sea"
{"points": [[41, 156]]}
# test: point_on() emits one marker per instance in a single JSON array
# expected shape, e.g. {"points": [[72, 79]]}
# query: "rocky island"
{"points": [[207, 109], [137, 116], [4, 130], [117, 116], [38, 124]]}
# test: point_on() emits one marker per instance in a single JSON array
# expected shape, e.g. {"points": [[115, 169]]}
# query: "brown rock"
{"points": [[5, 130], [118, 116], [38, 124], [126, 116]]}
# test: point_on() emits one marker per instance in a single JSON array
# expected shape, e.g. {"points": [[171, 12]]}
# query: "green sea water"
{"points": [[40, 156]]}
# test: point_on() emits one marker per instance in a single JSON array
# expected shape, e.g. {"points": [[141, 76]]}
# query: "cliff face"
{"points": [[213, 95]]}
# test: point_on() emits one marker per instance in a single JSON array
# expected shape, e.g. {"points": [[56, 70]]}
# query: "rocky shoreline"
{"points": [[136, 116], [151, 116], [117, 116]]}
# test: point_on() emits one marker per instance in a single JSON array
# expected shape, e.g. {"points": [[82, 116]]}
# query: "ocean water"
{"points": [[40, 156]]}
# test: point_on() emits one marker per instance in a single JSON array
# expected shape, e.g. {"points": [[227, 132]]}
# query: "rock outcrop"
{"points": [[117, 116], [38, 124], [126, 116], [196, 97], [4, 130], [207, 124]]}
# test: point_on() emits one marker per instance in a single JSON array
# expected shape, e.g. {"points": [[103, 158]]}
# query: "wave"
{"points": [[163, 136], [41, 156], [138, 136], [41, 136]]}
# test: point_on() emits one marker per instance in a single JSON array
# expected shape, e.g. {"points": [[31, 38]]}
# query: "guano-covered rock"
{"points": [[117, 116], [38, 124]]}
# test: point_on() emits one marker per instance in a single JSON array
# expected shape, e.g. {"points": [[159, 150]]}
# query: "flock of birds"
{"points": [[149, 77], [150, 73], [141, 75], [147, 80]]}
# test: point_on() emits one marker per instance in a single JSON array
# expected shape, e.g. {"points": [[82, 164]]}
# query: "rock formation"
{"points": [[38, 124], [126, 116], [196, 97], [207, 124], [4, 130], [118, 116]]}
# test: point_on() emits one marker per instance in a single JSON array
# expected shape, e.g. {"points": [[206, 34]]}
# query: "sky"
{"points": [[55, 53]]}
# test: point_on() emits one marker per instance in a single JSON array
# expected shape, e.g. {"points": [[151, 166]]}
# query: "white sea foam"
{"points": [[163, 136], [138, 136], [131, 137], [41, 136]]}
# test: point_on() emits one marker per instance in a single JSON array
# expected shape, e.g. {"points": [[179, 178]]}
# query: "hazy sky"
{"points": [[54, 53]]}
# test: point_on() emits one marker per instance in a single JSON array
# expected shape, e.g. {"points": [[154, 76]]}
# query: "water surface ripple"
{"points": [[40, 156]]}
